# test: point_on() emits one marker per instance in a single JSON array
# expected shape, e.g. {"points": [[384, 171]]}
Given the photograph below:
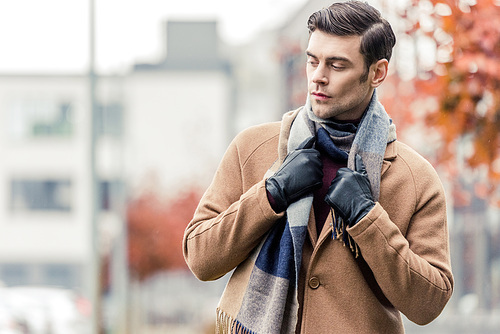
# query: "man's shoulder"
{"points": [[414, 161], [258, 144], [261, 133], [258, 135], [408, 153]]}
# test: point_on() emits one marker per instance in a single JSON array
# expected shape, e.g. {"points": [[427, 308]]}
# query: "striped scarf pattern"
{"points": [[270, 302]]}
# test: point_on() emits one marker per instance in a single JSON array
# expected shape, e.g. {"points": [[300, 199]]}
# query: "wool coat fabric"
{"points": [[404, 265]]}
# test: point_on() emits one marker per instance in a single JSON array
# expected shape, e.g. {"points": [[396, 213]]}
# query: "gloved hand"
{"points": [[349, 193], [300, 173]]}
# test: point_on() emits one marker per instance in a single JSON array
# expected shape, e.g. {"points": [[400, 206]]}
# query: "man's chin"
{"points": [[320, 112]]}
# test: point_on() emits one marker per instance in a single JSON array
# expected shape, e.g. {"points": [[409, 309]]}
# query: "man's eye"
{"points": [[337, 67]]}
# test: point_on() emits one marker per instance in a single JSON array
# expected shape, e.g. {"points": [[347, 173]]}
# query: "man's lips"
{"points": [[320, 96]]}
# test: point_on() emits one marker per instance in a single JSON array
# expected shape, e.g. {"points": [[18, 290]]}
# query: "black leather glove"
{"points": [[300, 173], [350, 194]]}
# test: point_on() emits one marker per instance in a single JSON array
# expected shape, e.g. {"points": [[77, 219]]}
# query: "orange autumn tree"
{"points": [[155, 230], [460, 93]]}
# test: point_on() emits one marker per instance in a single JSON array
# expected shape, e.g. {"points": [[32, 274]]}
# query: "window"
{"points": [[54, 122], [40, 118], [40, 195], [66, 275], [14, 274], [62, 275], [110, 194], [110, 119]]}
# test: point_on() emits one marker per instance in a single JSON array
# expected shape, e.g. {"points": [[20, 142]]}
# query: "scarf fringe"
{"points": [[225, 324], [339, 232]]}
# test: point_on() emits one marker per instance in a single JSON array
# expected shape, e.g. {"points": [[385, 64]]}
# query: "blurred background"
{"points": [[115, 115]]}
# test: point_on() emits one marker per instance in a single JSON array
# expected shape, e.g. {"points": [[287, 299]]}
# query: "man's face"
{"points": [[334, 68]]}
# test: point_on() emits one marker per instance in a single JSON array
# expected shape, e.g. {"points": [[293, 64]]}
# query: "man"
{"points": [[330, 224]]}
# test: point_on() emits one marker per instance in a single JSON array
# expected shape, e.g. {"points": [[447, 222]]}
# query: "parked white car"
{"points": [[9, 324], [12, 314], [47, 310]]}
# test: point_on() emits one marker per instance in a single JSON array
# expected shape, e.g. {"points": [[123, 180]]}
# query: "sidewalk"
{"points": [[176, 329]]}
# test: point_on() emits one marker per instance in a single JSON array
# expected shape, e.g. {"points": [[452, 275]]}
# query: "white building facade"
{"points": [[168, 122]]}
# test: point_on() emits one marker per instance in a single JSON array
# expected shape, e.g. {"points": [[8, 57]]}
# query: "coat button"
{"points": [[314, 282]]}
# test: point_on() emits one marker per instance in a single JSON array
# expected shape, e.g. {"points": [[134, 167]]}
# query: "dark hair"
{"points": [[357, 18]]}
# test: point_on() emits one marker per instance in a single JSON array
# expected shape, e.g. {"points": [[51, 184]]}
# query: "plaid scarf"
{"points": [[270, 302]]}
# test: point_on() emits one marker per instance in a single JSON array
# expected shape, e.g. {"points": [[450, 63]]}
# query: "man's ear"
{"points": [[379, 70]]}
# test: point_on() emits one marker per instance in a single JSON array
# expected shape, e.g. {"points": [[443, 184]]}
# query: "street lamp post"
{"points": [[95, 261]]}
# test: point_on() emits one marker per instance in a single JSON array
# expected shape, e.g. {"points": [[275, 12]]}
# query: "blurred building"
{"points": [[164, 125], [45, 234], [181, 109]]}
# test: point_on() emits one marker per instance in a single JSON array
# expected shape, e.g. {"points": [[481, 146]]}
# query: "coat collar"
{"points": [[286, 125]]}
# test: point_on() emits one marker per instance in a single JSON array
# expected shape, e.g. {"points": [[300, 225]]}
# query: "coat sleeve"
{"points": [[412, 269], [229, 221]]}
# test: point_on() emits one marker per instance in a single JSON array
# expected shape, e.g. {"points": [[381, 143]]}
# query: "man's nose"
{"points": [[320, 76]]}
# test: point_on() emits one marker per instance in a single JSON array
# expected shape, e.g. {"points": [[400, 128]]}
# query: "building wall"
{"points": [[164, 130], [44, 176], [177, 124]]}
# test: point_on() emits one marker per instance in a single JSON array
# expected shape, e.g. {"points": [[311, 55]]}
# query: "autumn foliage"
{"points": [[459, 96], [470, 103], [155, 230]]}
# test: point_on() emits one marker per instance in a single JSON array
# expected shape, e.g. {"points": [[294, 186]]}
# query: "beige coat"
{"points": [[404, 264]]}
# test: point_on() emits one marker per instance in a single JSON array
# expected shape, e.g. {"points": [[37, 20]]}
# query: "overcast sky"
{"points": [[53, 35]]}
